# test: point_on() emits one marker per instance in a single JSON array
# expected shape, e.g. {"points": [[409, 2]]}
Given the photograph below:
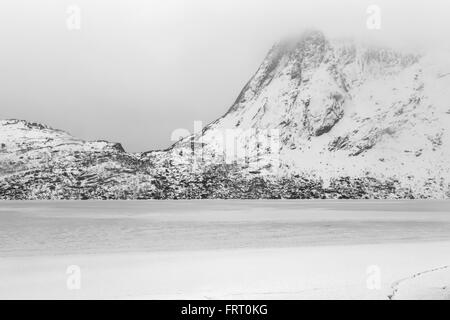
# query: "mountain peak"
{"points": [[307, 36], [334, 101], [343, 120], [25, 124]]}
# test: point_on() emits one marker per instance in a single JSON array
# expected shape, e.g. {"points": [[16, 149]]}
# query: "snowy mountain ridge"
{"points": [[319, 119], [343, 109]]}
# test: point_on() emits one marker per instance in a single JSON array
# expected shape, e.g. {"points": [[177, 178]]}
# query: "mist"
{"points": [[134, 71]]}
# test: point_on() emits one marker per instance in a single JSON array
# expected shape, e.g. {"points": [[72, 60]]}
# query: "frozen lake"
{"points": [[68, 227], [226, 249]]}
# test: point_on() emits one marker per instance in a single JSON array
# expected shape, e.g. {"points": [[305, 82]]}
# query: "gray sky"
{"points": [[136, 70]]}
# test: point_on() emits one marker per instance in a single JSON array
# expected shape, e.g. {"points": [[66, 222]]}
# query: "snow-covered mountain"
{"points": [[38, 162], [344, 109], [319, 119]]}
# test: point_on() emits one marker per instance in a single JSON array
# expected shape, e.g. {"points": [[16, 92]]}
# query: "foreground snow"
{"points": [[226, 250], [325, 272]]}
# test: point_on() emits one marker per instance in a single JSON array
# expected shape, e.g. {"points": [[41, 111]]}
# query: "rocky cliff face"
{"points": [[319, 119], [341, 109]]}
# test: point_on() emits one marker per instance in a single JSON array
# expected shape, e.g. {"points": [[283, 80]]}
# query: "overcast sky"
{"points": [[136, 70]]}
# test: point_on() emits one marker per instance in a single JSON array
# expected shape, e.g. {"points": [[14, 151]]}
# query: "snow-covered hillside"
{"points": [[343, 109], [320, 119], [38, 162]]}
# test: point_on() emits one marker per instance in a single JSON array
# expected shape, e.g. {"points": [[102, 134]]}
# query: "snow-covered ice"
{"points": [[226, 249]]}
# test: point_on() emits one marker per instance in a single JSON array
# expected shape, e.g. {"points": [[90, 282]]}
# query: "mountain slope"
{"points": [[342, 109], [319, 119], [38, 162]]}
